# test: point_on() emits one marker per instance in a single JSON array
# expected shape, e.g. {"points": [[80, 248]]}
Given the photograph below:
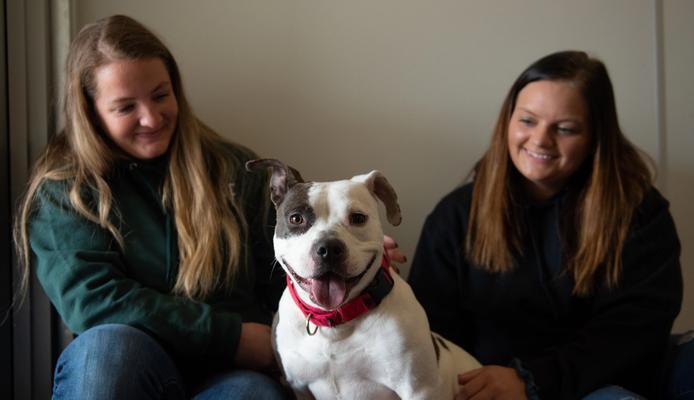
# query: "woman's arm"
{"points": [[437, 268]]}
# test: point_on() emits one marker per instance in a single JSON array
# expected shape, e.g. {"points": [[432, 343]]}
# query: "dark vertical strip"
{"points": [[6, 277], [28, 54]]}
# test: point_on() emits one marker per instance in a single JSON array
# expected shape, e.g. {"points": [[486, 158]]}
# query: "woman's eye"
{"points": [[161, 96], [526, 121], [296, 219], [357, 219], [125, 109], [566, 130]]}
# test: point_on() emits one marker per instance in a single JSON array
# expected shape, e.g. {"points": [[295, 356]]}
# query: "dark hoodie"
{"points": [[571, 345]]}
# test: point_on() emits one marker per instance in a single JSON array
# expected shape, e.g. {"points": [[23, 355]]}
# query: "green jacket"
{"points": [[91, 281]]}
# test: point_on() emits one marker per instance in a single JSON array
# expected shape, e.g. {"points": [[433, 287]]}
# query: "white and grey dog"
{"points": [[347, 327]]}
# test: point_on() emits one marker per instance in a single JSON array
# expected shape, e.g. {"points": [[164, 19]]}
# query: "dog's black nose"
{"points": [[330, 250]]}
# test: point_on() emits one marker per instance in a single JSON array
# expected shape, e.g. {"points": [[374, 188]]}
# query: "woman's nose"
{"points": [[150, 116], [541, 136]]}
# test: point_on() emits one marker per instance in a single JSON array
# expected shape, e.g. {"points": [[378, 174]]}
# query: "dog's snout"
{"points": [[330, 250]]}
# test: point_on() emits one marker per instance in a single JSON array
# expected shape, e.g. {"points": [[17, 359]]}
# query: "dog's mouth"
{"points": [[329, 290]]}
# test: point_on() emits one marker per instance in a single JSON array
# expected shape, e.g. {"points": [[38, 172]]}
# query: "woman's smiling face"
{"points": [[548, 135], [136, 105]]}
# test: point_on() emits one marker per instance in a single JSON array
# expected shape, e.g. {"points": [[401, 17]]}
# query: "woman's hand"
{"points": [[255, 348], [392, 250], [491, 382]]}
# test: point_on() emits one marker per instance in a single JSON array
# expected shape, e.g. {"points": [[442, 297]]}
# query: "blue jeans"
{"points": [[680, 383], [120, 362], [613, 393]]}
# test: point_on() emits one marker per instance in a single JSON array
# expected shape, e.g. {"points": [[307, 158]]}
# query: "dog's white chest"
{"points": [[335, 363]]}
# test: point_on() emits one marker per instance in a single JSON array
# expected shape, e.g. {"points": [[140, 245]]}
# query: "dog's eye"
{"points": [[296, 219], [357, 218]]}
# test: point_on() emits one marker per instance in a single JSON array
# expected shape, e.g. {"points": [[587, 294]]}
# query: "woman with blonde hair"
{"points": [[147, 235], [558, 265]]}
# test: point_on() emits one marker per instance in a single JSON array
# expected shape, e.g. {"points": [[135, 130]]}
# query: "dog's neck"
{"points": [[370, 298]]}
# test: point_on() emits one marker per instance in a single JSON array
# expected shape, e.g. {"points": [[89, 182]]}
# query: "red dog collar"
{"points": [[368, 299]]}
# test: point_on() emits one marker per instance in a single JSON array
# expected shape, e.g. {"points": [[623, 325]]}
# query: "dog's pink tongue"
{"points": [[328, 291]]}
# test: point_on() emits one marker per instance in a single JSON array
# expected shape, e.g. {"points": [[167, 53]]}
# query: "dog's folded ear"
{"points": [[283, 177], [381, 188]]}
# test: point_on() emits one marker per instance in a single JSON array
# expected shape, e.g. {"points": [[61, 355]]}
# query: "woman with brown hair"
{"points": [[558, 265], [152, 242]]}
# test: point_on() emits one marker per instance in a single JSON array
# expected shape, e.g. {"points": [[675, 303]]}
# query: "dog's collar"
{"points": [[367, 300]]}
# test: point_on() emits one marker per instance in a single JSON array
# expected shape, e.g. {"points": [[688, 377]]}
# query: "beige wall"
{"points": [[678, 147], [412, 88]]}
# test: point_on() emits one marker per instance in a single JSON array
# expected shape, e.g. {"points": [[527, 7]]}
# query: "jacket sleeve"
{"points": [[80, 268], [626, 336], [270, 277], [436, 266], [254, 191]]}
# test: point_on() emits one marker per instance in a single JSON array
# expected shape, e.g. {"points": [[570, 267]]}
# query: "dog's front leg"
{"points": [[420, 378]]}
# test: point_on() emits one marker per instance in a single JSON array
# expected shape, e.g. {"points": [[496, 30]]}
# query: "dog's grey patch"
{"points": [[436, 347], [296, 201]]}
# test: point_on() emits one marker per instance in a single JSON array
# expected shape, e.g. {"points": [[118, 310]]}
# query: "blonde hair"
{"points": [[613, 181], [208, 220]]}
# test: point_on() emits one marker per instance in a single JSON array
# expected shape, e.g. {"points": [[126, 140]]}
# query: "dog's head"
{"points": [[328, 236]]}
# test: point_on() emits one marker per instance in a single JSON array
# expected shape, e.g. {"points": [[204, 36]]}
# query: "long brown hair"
{"points": [[616, 177], [209, 234]]}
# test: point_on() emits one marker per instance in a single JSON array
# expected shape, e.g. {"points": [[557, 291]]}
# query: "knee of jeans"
{"points": [[612, 392], [111, 361], [241, 384], [115, 348]]}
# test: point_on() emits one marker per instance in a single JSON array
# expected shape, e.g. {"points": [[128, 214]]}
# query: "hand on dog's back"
{"points": [[255, 348], [393, 251], [492, 381]]}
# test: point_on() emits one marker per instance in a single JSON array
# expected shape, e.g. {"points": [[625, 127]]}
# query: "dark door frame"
{"points": [[32, 43], [6, 384]]}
